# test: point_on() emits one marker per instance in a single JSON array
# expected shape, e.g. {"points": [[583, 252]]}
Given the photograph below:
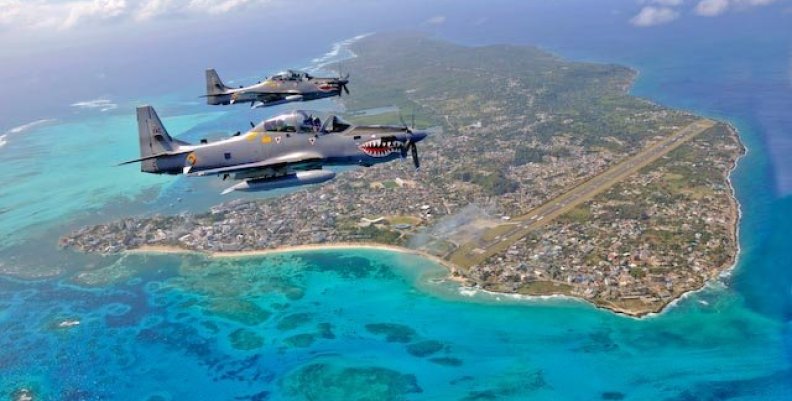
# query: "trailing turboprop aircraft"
{"points": [[284, 87], [284, 151]]}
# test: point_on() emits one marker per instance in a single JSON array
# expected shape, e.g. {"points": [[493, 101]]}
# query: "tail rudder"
{"points": [[154, 139], [214, 86]]}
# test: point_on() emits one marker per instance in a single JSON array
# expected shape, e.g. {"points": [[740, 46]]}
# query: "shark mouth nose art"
{"points": [[380, 148]]}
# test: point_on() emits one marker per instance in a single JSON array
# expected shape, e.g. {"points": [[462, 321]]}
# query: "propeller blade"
{"points": [[414, 150], [405, 148], [345, 88], [401, 118], [252, 125]]}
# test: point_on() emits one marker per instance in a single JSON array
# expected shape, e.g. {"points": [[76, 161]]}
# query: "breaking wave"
{"points": [[338, 52], [22, 128]]}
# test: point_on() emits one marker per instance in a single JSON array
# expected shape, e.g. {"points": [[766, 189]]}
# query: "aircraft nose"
{"points": [[417, 136]]}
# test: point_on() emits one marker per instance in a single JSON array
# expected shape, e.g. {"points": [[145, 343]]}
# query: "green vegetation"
{"points": [[579, 214], [525, 155], [544, 288], [493, 183], [376, 234]]}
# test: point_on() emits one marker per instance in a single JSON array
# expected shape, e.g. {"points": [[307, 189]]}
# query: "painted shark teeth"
{"points": [[380, 148]]}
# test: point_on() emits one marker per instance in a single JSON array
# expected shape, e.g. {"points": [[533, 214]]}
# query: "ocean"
{"points": [[375, 325]]}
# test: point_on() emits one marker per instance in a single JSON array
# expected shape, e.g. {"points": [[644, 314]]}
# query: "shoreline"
{"points": [[175, 250]]}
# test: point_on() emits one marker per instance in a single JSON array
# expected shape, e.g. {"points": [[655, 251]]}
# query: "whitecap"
{"points": [[25, 127], [22, 128], [468, 291]]}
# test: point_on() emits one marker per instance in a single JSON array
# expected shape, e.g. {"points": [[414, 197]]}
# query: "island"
{"points": [[541, 177]]}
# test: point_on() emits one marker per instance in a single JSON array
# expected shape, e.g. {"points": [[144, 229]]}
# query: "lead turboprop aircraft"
{"points": [[284, 87], [285, 151]]}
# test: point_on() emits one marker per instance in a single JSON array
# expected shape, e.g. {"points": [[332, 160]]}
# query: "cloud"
{"points": [[63, 15], [101, 9], [436, 20], [667, 3], [101, 104], [154, 8], [651, 16], [218, 6], [67, 14], [712, 8]]}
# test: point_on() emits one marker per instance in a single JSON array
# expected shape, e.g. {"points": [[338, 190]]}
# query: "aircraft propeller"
{"points": [[410, 145], [414, 151], [342, 84]]}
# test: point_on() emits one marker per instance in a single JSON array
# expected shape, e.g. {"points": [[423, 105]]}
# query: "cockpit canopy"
{"points": [[291, 75], [303, 121]]}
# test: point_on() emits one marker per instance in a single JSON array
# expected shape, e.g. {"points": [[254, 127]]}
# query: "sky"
{"points": [[58, 55], [19, 17]]}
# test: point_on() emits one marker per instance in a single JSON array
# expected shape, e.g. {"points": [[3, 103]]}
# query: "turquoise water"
{"points": [[67, 168], [379, 325], [362, 325]]}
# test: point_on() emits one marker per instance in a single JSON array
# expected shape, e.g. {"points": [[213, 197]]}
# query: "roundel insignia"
{"points": [[312, 140], [192, 159]]}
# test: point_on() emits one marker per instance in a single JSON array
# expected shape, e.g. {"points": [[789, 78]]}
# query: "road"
{"points": [[478, 251]]}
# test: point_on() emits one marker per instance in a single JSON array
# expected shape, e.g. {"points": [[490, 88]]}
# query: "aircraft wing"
{"points": [[283, 93], [272, 163]]}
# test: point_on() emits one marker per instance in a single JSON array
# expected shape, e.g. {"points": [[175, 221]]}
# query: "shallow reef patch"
{"points": [[424, 348], [393, 332], [293, 321], [328, 382], [245, 340], [304, 340], [447, 361], [238, 310]]}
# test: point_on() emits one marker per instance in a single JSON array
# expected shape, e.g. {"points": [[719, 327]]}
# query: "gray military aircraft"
{"points": [[284, 87], [284, 151]]}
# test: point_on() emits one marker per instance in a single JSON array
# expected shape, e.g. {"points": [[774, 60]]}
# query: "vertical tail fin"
{"points": [[214, 86], [154, 138]]}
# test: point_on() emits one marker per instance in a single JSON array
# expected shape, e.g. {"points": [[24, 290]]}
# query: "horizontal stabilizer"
{"points": [[152, 157]]}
